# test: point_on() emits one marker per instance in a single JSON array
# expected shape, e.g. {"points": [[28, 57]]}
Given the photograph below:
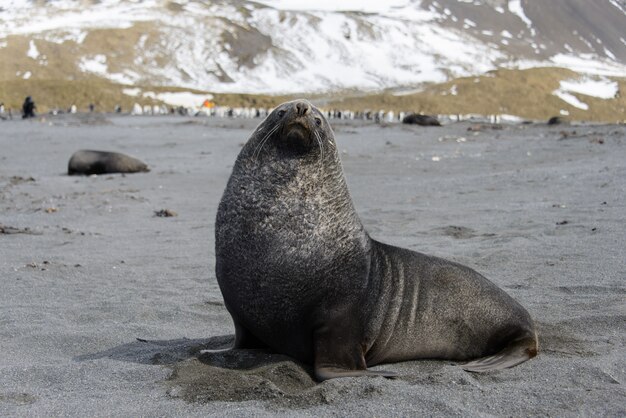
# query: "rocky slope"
{"points": [[291, 46]]}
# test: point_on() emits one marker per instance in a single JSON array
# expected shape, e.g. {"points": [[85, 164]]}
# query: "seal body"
{"points": [[556, 120], [102, 162], [422, 120], [300, 275]]}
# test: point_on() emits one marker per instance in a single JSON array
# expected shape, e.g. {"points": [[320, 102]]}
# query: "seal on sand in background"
{"points": [[556, 120], [422, 120], [299, 274], [102, 162]]}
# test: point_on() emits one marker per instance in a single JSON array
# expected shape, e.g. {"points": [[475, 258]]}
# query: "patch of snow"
{"points": [[469, 23], [582, 63], [407, 92], [570, 99], [123, 78], [506, 34], [60, 36], [564, 112], [96, 64], [589, 64], [184, 98], [38, 26], [181, 98], [601, 88], [32, 52], [27, 75], [610, 54], [132, 92], [365, 60], [515, 7], [141, 44], [511, 118], [619, 5], [366, 6]]}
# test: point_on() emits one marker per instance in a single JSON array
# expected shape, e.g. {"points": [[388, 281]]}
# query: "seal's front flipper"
{"points": [[515, 353], [245, 339], [325, 373], [337, 353]]}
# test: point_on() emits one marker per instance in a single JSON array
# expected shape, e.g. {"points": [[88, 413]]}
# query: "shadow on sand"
{"points": [[214, 351], [206, 370], [161, 351]]}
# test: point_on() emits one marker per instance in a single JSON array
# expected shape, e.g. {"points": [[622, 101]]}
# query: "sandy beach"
{"points": [[105, 307]]}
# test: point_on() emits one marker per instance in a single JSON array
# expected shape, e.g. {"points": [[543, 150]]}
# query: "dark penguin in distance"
{"points": [[28, 108], [300, 275]]}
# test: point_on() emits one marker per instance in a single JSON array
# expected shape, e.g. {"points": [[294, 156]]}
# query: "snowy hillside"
{"points": [[283, 46]]}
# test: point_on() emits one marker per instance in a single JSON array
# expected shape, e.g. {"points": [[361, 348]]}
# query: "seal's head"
{"points": [[295, 128]]}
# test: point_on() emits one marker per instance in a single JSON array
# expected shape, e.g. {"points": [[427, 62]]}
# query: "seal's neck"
{"points": [[282, 180]]}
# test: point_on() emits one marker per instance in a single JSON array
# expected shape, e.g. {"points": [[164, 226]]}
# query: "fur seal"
{"points": [[556, 120], [422, 120], [299, 273], [102, 162]]}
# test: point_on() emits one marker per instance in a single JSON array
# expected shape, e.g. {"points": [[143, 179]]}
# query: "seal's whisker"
{"points": [[259, 128], [319, 143], [259, 147]]}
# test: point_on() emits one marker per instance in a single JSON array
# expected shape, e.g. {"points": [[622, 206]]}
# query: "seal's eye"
{"points": [[281, 113], [318, 121]]}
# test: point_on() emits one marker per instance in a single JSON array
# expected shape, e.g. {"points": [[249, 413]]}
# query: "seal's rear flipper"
{"points": [[517, 352], [325, 373]]}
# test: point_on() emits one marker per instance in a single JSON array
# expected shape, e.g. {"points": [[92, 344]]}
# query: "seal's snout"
{"points": [[297, 134], [299, 126], [302, 108]]}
